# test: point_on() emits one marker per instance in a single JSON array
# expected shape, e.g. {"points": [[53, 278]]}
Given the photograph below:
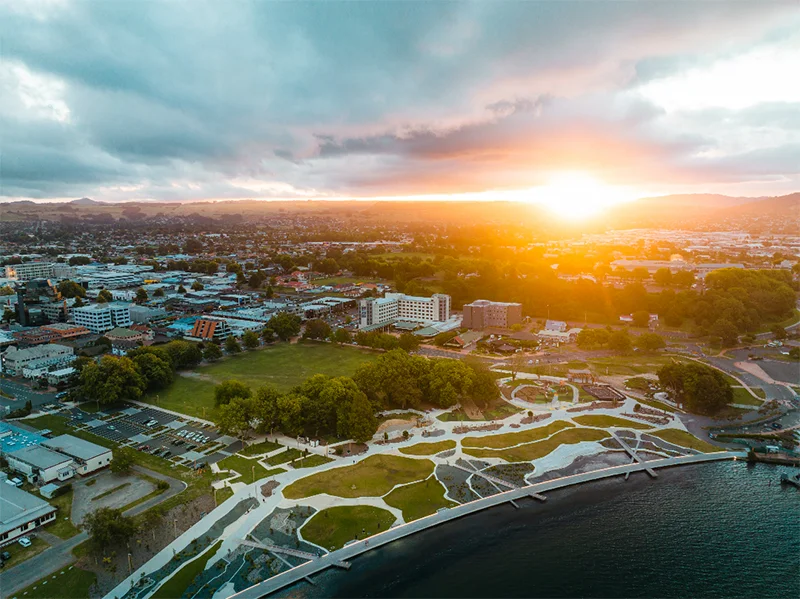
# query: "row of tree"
{"points": [[618, 340], [697, 387]]}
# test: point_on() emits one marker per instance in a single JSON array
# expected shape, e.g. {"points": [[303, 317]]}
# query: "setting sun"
{"points": [[577, 194]]}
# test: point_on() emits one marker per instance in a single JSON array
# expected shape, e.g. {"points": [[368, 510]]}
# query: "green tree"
{"points": [[726, 331], [156, 371], [71, 289], [123, 460], [620, 341], [108, 528], [641, 318], [448, 381], [779, 332], [285, 325], [112, 380], [268, 335], [7, 290], [232, 345], [184, 354], [235, 416], [341, 335], [141, 296], [158, 292], [227, 390], [181, 289], [484, 391], [8, 315], [104, 297], [212, 352], [250, 340], [270, 293], [357, 420], [649, 342], [197, 286], [663, 277], [683, 278], [290, 410], [265, 408], [409, 342], [697, 387], [256, 280], [317, 328]]}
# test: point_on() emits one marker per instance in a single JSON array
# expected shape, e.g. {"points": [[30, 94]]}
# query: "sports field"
{"points": [[283, 366]]}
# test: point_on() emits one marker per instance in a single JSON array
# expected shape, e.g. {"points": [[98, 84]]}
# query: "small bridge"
{"points": [[289, 551]]}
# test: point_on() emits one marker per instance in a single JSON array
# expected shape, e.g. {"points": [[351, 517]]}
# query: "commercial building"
{"points": [[210, 329], [484, 313], [40, 465], [650, 266], [21, 512], [399, 306], [66, 331], [16, 361], [30, 270], [145, 315], [99, 318], [88, 456]]}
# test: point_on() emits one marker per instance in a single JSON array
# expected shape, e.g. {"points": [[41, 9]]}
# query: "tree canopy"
{"points": [[699, 388]]}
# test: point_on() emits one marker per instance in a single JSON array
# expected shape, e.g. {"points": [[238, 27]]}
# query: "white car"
{"points": [[25, 542]]}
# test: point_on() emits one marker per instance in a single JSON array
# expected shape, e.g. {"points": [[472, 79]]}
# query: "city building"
{"points": [[67, 331], [21, 512], [30, 270], [210, 329], [15, 362], [35, 336], [32, 297], [99, 318], [146, 315], [88, 456], [40, 465], [399, 306], [484, 313]]}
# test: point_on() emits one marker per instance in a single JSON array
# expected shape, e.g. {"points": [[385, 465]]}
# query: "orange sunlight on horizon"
{"points": [[577, 194]]}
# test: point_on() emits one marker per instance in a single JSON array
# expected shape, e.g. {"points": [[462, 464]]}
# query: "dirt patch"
{"points": [[755, 370], [471, 410], [396, 424], [189, 374]]}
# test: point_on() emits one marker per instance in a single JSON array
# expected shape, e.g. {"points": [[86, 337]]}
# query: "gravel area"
{"points": [[513, 473], [456, 482]]}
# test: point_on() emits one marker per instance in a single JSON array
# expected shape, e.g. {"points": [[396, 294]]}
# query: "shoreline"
{"points": [[298, 573]]}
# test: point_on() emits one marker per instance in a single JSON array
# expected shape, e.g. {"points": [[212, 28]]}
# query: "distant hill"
{"points": [[788, 206], [695, 200], [86, 202]]}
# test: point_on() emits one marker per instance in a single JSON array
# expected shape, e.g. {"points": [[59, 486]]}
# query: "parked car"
{"points": [[24, 541], [5, 556]]}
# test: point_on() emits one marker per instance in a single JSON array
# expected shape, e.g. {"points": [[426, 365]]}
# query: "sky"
{"points": [[173, 101]]}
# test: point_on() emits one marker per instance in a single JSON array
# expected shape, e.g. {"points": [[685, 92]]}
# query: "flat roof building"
{"points": [[484, 313], [399, 306], [40, 464], [21, 512], [88, 456]]}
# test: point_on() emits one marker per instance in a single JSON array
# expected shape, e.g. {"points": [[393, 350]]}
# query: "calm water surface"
{"points": [[713, 530]]}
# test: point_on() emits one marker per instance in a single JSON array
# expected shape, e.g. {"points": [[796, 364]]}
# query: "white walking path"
{"points": [[354, 549]]}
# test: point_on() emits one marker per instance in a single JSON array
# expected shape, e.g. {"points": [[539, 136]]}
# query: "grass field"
{"points": [[260, 448], [684, 439], [19, 553], [511, 439], [283, 365], [534, 451], [760, 392], [285, 456], [419, 499], [603, 421], [629, 365], [63, 526], [428, 448], [372, 477], [180, 581], [70, 583], [742, 396], [312, 460], [333, 527], [244, 467]]}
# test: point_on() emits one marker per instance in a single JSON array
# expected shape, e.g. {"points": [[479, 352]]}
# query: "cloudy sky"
{"points": [[160, 99]]}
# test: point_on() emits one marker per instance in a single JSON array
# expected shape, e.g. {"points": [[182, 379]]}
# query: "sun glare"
{"points": [[577, 195]]}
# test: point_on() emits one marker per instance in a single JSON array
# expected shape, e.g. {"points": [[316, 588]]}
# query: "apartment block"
{"points": [[399, 306], [484, 313], [99, 318]]}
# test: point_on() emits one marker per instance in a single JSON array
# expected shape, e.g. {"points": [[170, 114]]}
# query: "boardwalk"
{"points": [[352, 550]]}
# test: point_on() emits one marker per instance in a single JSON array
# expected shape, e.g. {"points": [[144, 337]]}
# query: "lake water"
{"points": [[714, 530]]}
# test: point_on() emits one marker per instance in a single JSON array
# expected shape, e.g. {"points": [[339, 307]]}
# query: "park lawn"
{"points": [[70, 583], [420, 499], [457, 415], [760, 392], [180, 580], [285, 456], [282, 365], [259, 448], [372, 477], [500, 411], [534, 451], [223, 494], [742, 396], [312, 460], [19, 553], [245, 467], [63, 526], [331, 528], [511, 439], [629, 365], [685, 439], [428, 448], [604, 421]]}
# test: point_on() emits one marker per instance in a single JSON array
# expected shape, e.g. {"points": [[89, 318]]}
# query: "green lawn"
{"points": [[63, 526], [428, 448], [312, 460], [629, 365], [534, 451], [260, 448], [510, 439], [372, 477], [70, 583], [604, 421], [760, 392], [419, 499], [685, 439], [333, 527], [19, 553], [180, 580], [283, 365], [500, 411], [743, 396], [285, 456], [245, 467]]}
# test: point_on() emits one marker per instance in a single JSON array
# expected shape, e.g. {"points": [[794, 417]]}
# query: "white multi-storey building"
{"points": [[16, 362], [399, 306], [99, 318], [30, 270]]}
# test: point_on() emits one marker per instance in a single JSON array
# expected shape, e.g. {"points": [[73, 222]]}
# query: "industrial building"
{"points": [[21, 512], [88, 456]]}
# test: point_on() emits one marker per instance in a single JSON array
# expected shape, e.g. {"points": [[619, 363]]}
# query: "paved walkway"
{"points": [[352, 550]]}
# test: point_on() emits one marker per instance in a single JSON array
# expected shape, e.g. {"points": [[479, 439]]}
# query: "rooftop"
{"points": [[18, 507], [84, 450], [40, 457]]}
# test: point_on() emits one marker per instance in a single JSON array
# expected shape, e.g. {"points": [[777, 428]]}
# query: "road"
{"points": [[352, 550], [23, 394], [59, 555]]}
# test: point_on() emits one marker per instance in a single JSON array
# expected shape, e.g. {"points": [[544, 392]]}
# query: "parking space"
{"points": [[117, 431]]}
